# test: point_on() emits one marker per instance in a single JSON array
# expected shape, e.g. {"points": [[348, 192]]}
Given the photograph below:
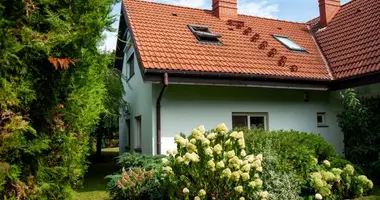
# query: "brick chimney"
{"points": [[224, 9], [328, 9]]}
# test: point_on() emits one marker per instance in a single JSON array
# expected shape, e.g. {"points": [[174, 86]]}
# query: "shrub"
{"points": [[146, 188], [336, 183], [295, 151], [213, 165]]}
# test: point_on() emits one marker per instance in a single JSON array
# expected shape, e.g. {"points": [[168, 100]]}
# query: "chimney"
{"points": [[327, 10], [224, 9]]}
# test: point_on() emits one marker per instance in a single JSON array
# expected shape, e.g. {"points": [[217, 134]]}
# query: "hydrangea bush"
{"points": [[336, 183], [213, 165]]}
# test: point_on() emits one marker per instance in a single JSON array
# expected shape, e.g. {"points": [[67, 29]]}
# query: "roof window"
{"points": [[204, 35], [288, 43]]}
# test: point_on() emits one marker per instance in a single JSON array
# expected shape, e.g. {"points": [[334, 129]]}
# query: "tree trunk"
{"points": [[99, 137]]}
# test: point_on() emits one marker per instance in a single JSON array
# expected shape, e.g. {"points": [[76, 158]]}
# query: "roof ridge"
{"points": [[273, 19], [167, 4], [203, 9]]}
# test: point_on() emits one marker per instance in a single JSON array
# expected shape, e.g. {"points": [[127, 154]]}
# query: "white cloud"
{"points": [[260, 8]]}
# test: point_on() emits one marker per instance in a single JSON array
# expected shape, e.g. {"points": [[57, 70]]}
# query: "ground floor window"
{"points": [[138, 132], [250, 120]]}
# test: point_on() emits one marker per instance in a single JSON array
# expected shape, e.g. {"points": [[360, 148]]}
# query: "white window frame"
{"points": [[138, 120], [254, 114], [323, 123]]}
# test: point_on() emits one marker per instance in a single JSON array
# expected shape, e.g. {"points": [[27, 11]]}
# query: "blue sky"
{"points": [[291, 10]]}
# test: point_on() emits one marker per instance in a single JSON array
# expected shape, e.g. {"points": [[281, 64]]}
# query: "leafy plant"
{"points": [[359, 122], [213, 165]]}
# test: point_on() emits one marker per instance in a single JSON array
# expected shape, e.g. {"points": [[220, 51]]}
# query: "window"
{"points": [[138, 132], [288, 43], [250, 120], [131, 65], [321, 119], [205, 35]]}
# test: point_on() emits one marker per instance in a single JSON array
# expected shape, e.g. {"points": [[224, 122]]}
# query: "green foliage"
{"points": [[52, 92], [359, 122], [136, 160], [295, 151], [213, 165], [148, 188]]}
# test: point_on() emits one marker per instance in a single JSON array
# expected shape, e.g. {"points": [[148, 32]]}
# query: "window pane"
{"points": [[239, 121], [257, 122], [131, 63], [320, 119]]}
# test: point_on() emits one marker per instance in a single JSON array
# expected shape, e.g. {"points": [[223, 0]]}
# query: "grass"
{"points": [[94, 187], [374, 196]]}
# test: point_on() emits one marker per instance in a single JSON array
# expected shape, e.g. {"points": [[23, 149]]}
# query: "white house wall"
{"points": [[139, 97], [185, 107]]}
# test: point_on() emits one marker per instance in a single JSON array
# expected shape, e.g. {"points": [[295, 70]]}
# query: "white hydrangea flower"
{"points": [[318, 196], [349, 169], [218, 149], [178, 138], [260, 157], [245, 176], [250, 158], [211, 164], [211, 136], [239, 189], [220, 165], [208, 151], [192, 148], [172, 151], [185, 191], [263, 194], [193, 141], [235, 175], [167, 169], [243, 153], [197, 198], [234, 135], [240, 135], [228, 142], [241, 198], [241, 143], [179, 159], [259, 169], [205, 142], [327, 163], [202, 192], [165, 161], [197, 134], [231, 154], [222, 128], [246, 168], [252, 184], [226, 173], [191, 157], [202, 129], [258, 182]]}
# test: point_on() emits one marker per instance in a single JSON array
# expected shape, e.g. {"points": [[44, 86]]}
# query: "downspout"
{"points": [[158, 113]]}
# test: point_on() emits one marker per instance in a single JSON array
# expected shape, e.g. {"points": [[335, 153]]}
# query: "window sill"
{"points": [[323, 126], [138, 150]]}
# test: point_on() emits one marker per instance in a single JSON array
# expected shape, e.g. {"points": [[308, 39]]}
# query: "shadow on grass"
{"points": [[94, 186]]}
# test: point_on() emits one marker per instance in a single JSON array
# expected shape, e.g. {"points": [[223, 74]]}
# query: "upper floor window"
{"points": [[205, 35], [131, 66], [288, 43]]}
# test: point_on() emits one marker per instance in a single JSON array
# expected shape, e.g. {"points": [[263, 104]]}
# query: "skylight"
{"points": [[205, 35], [288, 43]]}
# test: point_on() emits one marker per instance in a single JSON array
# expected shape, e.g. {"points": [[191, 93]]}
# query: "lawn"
{"points": [[374, 196], [94, 187]]}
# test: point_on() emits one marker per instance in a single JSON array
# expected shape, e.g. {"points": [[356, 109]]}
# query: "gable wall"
{"points": [[139, 97]]}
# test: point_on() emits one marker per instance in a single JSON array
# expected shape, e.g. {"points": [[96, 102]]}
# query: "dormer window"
{"points": [[288, 43], [204, 35]]}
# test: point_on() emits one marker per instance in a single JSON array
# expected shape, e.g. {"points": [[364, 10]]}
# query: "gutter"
{"points": [[158, 113]]}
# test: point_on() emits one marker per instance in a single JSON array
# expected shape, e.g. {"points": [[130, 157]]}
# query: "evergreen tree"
{"points": [[52, 92]]}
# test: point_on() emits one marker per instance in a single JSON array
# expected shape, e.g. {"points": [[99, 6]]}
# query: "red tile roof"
{"points": [[351, 42], [165, 42]]}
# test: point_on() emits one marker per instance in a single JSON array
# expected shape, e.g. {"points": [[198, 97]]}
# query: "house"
{"points": [[188, 67]]}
